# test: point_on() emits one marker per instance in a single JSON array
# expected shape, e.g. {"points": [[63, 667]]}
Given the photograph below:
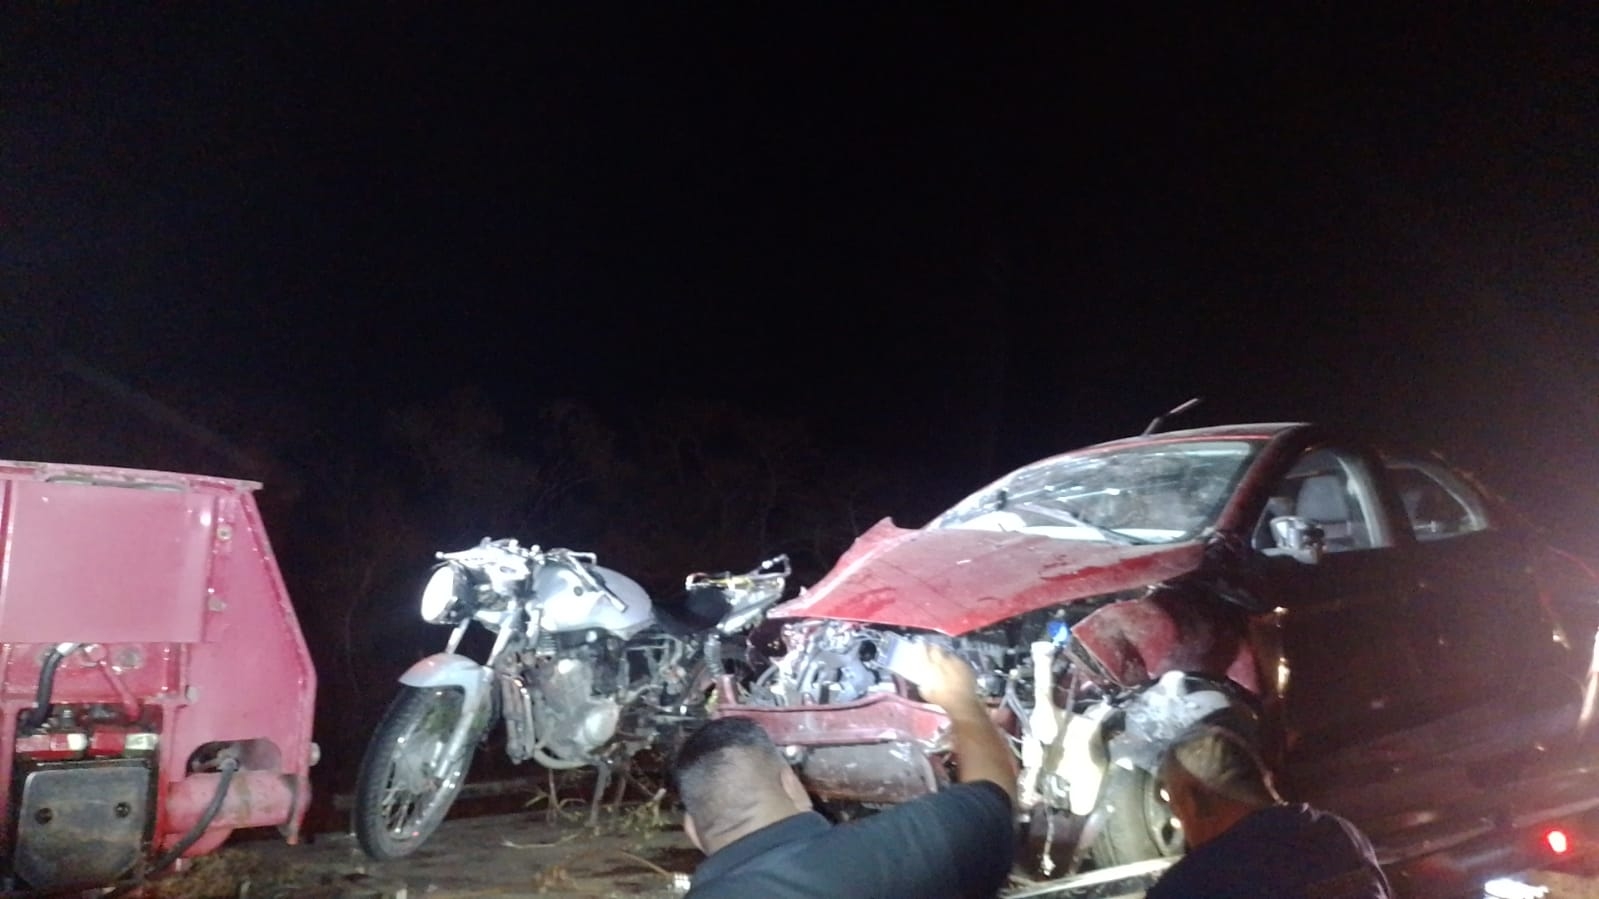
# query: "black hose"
{"points": [[229, 767], [41, 700]]}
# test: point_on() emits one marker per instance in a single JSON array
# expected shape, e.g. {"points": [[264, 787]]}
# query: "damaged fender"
{"points": [[448, 669], [1137, 641]]}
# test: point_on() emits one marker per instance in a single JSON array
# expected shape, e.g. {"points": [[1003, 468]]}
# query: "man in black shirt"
{"points": [[747, 810], [1244, 842]]}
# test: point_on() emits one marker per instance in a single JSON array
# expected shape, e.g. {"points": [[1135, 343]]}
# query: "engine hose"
{"points": [[47, 678], [229, 767]]}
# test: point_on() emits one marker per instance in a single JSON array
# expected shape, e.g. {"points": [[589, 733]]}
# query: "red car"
{"points": [[1407, 651]]}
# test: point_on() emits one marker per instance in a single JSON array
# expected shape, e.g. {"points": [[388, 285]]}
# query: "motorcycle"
{"points": [[585, 670]]}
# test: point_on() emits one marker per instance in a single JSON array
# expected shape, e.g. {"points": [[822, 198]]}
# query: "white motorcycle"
{"points": [[585, 670]]}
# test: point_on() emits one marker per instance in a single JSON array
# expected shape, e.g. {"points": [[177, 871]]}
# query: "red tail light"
{"points": [[1557, 841]]}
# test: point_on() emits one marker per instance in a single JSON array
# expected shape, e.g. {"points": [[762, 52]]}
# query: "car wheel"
{"points": [[1139, 823]]}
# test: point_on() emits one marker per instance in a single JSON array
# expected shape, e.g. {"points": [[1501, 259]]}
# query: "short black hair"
{"points": [[724, 766]]}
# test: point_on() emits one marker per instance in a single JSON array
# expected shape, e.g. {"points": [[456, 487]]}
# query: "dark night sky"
{"points": [[920, 231]]}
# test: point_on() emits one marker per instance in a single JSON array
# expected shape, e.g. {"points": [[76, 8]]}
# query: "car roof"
{"points": [[1255, 431], [1260, 431]]}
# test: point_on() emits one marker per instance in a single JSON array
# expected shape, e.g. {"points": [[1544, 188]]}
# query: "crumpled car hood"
{"points": [[956, 581]]}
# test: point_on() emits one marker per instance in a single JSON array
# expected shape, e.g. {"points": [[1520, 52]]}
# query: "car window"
{"points": [[1160, 492], [1438, 504], [1329, 488]]}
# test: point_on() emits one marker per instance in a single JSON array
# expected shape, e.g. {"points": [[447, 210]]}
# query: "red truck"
{"points": [[157, 690]]}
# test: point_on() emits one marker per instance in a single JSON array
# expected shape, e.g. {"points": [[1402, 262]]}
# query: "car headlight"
{"points": [[445, 597]]}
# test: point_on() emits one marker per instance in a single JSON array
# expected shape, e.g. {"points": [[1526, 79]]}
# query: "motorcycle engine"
{"points": [[574, 718]]}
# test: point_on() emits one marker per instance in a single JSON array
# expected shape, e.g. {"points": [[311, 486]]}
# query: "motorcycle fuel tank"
{"points": [[568, 602]]}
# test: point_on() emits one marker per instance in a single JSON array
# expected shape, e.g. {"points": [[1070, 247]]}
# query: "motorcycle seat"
{"points": [[697, 610]]}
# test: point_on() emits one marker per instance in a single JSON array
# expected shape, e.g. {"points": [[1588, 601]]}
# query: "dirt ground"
{"points": [[506, 848], [1565, 885], [632, 852], [517, 856]]}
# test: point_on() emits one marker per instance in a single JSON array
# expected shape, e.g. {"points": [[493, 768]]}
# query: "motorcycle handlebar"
{"points": [[774, 568], [759, 574]]}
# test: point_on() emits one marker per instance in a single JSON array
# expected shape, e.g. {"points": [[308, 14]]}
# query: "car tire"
{"points": [[1138, 821], [1139, 824]]}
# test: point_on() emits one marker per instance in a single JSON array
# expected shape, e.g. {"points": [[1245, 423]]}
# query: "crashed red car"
{"points": [[1406, 651]]}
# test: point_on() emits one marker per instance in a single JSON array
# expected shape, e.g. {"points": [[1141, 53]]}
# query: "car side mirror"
{"points": [[1299, 537]]}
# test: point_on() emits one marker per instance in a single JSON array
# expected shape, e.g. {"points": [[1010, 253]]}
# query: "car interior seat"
{"points": [[1324, 500]]}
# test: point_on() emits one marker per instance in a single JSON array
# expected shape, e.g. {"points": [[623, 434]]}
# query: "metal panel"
{"points": [[873, 772], [130, 563], [250, 677], [81, 824]]}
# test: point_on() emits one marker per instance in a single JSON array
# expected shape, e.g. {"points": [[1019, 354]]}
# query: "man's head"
{"points": [[1213, 778], [732, 782]]}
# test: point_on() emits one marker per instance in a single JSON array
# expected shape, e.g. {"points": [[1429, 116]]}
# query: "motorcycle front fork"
{"points": [[726, 688]]}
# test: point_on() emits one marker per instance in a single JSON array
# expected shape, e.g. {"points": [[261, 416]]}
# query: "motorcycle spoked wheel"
{"points": [[406, 784]]}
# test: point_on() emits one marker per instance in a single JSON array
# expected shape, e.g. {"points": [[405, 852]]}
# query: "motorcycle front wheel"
{"points": [[408, 779]]}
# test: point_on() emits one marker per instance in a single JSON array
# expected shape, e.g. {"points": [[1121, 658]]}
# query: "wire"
{"points": [[229, 767]]}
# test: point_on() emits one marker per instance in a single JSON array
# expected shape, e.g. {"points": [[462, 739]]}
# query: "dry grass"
{"points": [[234, 873], [216, 876]]}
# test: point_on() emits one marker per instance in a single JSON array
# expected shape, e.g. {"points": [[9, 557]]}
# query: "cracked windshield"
{"points": [[1165, 493]]}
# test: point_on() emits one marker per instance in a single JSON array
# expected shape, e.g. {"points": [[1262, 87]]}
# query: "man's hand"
{"points": [[947, 681], [944, 679]]}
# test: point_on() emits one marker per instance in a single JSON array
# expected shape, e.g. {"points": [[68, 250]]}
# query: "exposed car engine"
{"points": [[829, 661]]}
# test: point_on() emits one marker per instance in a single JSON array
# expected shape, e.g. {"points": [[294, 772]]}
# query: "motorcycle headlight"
{"points": [[446, 596]]}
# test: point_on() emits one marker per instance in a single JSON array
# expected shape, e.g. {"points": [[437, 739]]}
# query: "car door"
{"points": [[1348, 667], [1483, 637]]}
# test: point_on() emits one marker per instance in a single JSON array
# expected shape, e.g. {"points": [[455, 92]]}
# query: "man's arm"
{"points": [[955, 843], [981, 752]]}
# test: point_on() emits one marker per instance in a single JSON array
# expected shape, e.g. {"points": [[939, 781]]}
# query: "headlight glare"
{"points": [[443, 595]]}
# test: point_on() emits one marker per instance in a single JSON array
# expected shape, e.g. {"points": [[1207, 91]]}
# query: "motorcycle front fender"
{"points": [[448, 669]]}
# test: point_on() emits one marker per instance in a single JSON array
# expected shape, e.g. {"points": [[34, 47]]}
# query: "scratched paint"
{"points": [[906, 578]]}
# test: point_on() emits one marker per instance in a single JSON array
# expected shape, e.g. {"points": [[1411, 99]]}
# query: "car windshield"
{"points": [[1154, 493]]}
